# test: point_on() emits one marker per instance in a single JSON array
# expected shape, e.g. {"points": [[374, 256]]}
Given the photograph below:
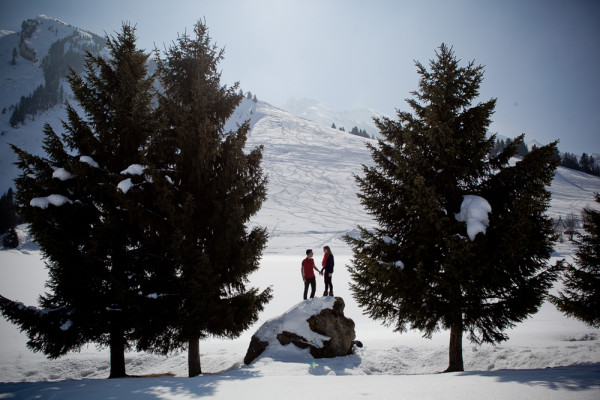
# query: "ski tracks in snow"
{"points": [[311, 189]]}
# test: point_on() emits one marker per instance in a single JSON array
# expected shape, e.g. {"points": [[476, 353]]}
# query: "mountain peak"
{"points": [[38, 34], [43, 17]]}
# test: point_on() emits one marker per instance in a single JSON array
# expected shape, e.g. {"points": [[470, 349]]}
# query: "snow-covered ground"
{"points": [[312, 202]]}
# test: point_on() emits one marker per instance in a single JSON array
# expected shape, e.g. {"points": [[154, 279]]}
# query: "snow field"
{"points": [[312, 202]]}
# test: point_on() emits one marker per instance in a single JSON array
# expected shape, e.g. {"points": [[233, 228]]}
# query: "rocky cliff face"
{"points": [[28, 28]]}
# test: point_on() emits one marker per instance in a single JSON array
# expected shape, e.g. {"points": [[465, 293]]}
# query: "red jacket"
{"points": [[308, 264]]}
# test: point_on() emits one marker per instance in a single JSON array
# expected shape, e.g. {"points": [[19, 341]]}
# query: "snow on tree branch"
{"points": [[474, 211]]}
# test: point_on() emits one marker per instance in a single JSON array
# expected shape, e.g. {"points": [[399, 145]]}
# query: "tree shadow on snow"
{"points": [[572, 378], [334, 366], [125, 388]]}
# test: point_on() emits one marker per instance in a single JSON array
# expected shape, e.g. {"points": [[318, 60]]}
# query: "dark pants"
{"points": [[328, 283], [313, 283]]}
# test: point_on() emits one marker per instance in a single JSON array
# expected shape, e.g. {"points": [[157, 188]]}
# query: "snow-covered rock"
{"points": [[316, 324]]}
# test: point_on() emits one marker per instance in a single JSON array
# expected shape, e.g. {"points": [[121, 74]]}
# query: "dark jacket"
{"points": [[329, 264]]}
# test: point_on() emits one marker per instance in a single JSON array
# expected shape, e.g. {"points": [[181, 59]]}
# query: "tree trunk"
{"points": [[117, 355], [194, 368], [456, 359]]}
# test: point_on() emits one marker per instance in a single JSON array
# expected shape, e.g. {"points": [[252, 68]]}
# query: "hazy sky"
{"points": [[542, 58]]}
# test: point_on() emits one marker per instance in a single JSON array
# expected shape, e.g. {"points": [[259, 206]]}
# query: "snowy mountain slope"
{"points": [[311, 192], [16, 80], [28, 137], [571, 192], [32, 44], [316, 111]]}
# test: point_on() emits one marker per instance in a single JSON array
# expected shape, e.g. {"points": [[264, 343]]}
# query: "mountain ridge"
{"points": [[286, 137]]}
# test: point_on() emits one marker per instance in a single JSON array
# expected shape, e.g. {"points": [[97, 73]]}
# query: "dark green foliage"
{"points": [[10, 239], [522, 150], [91, 246], [359, 132], [586, 163], [207, 188], [580, 297], [569, 160], [417, 269], [8, 218]]}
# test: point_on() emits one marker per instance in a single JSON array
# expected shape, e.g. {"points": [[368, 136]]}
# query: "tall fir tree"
{"points": [[207, 188], [79, 216], [580, 296], [423, 267]]}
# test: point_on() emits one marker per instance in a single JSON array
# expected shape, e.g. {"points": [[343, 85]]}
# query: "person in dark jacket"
{"points": [[328, 269]]}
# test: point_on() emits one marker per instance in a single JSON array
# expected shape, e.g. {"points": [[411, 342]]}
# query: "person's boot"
{"points": [[325, 293], [331, 293]]}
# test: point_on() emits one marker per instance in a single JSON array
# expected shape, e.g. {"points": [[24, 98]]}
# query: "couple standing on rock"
{"points": [[308, 275]]}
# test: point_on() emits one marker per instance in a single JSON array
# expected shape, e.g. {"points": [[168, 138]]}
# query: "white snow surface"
{"points": [[474, 211], [311, 202]]}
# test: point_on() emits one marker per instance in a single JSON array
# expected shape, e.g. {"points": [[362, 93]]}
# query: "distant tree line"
{"points": [[585, 163], [63, 55], [355, 131], [249, 96], [500, 145]]}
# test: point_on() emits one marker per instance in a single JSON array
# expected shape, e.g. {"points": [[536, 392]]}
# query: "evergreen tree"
{"points": [[11, 239], [422, 268], [584, 163], [569, 160], [593, 166], [499, 146], [8, 218], [80, 218], [207, 189], [580, 297], [522, 150]]}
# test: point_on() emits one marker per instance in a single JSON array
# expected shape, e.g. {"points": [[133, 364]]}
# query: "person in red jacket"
{"points": [[308, 275]]}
